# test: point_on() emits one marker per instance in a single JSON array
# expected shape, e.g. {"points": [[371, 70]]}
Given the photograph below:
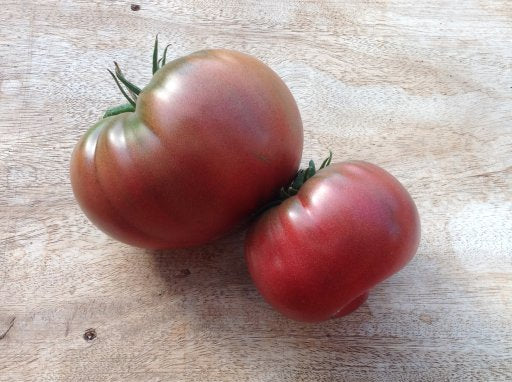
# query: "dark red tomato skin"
{"points": [[317, 255], [214, 135]]}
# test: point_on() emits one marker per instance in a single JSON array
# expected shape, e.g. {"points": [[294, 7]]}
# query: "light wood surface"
{"points": [[422, 88]]}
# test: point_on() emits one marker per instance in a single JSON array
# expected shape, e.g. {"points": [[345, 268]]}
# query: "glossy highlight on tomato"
{"points": [[318, 254], [208, 141]]}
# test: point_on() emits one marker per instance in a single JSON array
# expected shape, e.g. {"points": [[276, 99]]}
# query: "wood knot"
{"points": [[89, 335]]}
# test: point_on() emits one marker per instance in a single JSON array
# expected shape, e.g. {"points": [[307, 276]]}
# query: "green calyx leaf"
{"points": [[126, 108], [159, 62], [130, 100], [302, 176], [162, 60], [129, 90], [134, 90], [155, 55], [293, 188], [327, 161]]}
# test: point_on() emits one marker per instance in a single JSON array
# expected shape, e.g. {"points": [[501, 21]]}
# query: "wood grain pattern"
{"points": [[422, 88]]}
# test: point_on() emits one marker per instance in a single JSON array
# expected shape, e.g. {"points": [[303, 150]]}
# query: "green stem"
{"points": [[126, 108], [132, 91], [267, 206], [293, 188]]}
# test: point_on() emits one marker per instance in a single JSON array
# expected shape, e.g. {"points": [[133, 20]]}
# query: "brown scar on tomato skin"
{"points": [[262, 158], [11, 324]]}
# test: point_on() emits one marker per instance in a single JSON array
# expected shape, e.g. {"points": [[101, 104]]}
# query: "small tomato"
{"points": [[318, 254]]}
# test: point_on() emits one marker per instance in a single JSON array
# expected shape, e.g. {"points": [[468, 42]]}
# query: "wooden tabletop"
{"points": [[422, 88]]}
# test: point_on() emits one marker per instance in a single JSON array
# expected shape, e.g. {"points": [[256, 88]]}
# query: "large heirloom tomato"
{"points": [[317, 255], [209, 140]]}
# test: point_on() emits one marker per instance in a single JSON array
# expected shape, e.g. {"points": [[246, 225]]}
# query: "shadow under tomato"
{"points": [[215, 289], [211, 281], [235, 333], [218, 262], [223, 317]]}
